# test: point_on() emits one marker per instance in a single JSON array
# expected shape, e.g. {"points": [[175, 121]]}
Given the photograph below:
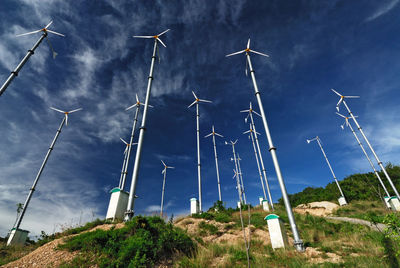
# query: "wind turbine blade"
{"points": [[170, 167], [143, 36], [339, 102], [137, 98], [342, 126], [66, 119], [47, 26], [351, 97], [248, 131], [248, 43], [73, 111], [205, 101], [134, 143], [245, 120], [192, 104], [337, 93], [57, 110], [53, 32], [245, 111], [259, 53], [163, 32], [256, 113], [257, 133], [219, 135], [163, 163], [162, 43], [245, 70], [163, 171], [235, 53], [130, 107], [308, 141], [123, 141], [29, 33], [208, 135], [194, 95], [340, 115]]}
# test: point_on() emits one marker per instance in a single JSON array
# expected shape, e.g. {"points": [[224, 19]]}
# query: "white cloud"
{"points": [[383, 9]]}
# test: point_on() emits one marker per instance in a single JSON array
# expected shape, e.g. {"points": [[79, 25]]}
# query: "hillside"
{"points": [[363, 186]]}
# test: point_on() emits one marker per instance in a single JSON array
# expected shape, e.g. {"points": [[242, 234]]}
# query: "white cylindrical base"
{"points": [[265, 205], [394, 203], [194, 206], [387, 201], [118, 203], [260, 199], [239, 205], [342, 201], [17, 237], [277, 232]]}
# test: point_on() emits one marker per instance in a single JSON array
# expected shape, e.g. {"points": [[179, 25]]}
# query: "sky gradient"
{"points": [[353, 47]]}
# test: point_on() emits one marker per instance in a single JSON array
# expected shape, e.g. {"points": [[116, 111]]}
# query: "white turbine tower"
{"points": [[250, 112], [14, 73], [164, 171], [251, 131], [347, 123], [131, 200], [125, 163], [298, 243], [236, 170], [196, 102], [341, 100], [329, 165], [137, 105], [213, 133], [28, 199], [241, 179]]}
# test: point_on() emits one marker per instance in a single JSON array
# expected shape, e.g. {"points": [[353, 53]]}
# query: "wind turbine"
{"points": [[137, 105], [347, 123], [196, 102], [213, 133], [131, 200], [251, 131], [28, 199], [327, 161], [298, 243], [14, 73], [163, 186], [125, 162], [341, 100], [250, 112], [241, 179], [236, 170]]}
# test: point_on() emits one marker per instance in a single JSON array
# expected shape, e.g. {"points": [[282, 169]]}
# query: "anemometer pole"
{"points": [[131, 200], [28, 199], [162, 193], [298, 243], [241, 179], [372, 150], [213, 133], [21, 64], [198, 155], [121, 178], [236, 171], [130, 148]]}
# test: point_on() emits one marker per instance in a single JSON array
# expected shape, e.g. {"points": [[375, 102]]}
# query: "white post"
{"points": [[258, 163], [216, 166], [298, 243], [162, 193], [241, 180], [131, 201]]}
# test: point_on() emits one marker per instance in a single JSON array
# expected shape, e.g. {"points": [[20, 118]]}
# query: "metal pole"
{"points": [[241, 180], [131, 200], [298, 243], [237, 173], [216, 166], [123, 168], [262, 162], [130, 148], [38, 176], [369, 160], [258, 164], [372, 150], [162, 193], [21, 64], [198, 154], [327, 161]]}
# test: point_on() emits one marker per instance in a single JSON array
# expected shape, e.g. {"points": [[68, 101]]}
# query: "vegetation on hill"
{"points": [[355, 187]]}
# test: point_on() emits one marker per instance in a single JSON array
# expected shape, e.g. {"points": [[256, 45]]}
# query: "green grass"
{"points": [[142, 242]]}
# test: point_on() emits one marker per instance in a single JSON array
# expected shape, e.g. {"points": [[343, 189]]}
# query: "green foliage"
{"points": [[392, 222], [143, 242], [355, 187], [87, 226], [209, 228]]}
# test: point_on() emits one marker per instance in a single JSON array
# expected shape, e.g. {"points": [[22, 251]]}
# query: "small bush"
{"points": [[211, 229]]}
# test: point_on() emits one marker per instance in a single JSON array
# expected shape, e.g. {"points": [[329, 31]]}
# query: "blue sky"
{"points": [[352, 46]]}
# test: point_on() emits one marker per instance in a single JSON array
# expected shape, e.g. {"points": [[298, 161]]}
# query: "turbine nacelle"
{"points": [[65, 113], [346, 118], [249, 111], [137, 104], [213, 133]]}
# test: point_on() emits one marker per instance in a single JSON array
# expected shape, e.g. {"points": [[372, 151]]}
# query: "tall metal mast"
{"points": [[298, 243], [131, 200], [241, 179], [28, 199], [163, 187], [213, 133], [366, 140], [236, 170]]}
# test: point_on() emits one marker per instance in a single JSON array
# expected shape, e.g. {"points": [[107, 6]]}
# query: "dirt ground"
{"points": [[322, 209]]}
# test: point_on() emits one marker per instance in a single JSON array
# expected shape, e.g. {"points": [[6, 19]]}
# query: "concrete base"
{"points": [[194, 206], [277, 231], [387, 201], [265, 205], [17, 237], [394, 203], [239, 205], [118, 203], [260, 199], [342, 201]]}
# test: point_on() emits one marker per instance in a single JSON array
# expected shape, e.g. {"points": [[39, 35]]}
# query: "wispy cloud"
{"points": [[383, 9]]}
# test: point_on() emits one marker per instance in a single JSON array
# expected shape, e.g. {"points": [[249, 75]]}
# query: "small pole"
{"points": [[241, 179], [162, 193]]}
